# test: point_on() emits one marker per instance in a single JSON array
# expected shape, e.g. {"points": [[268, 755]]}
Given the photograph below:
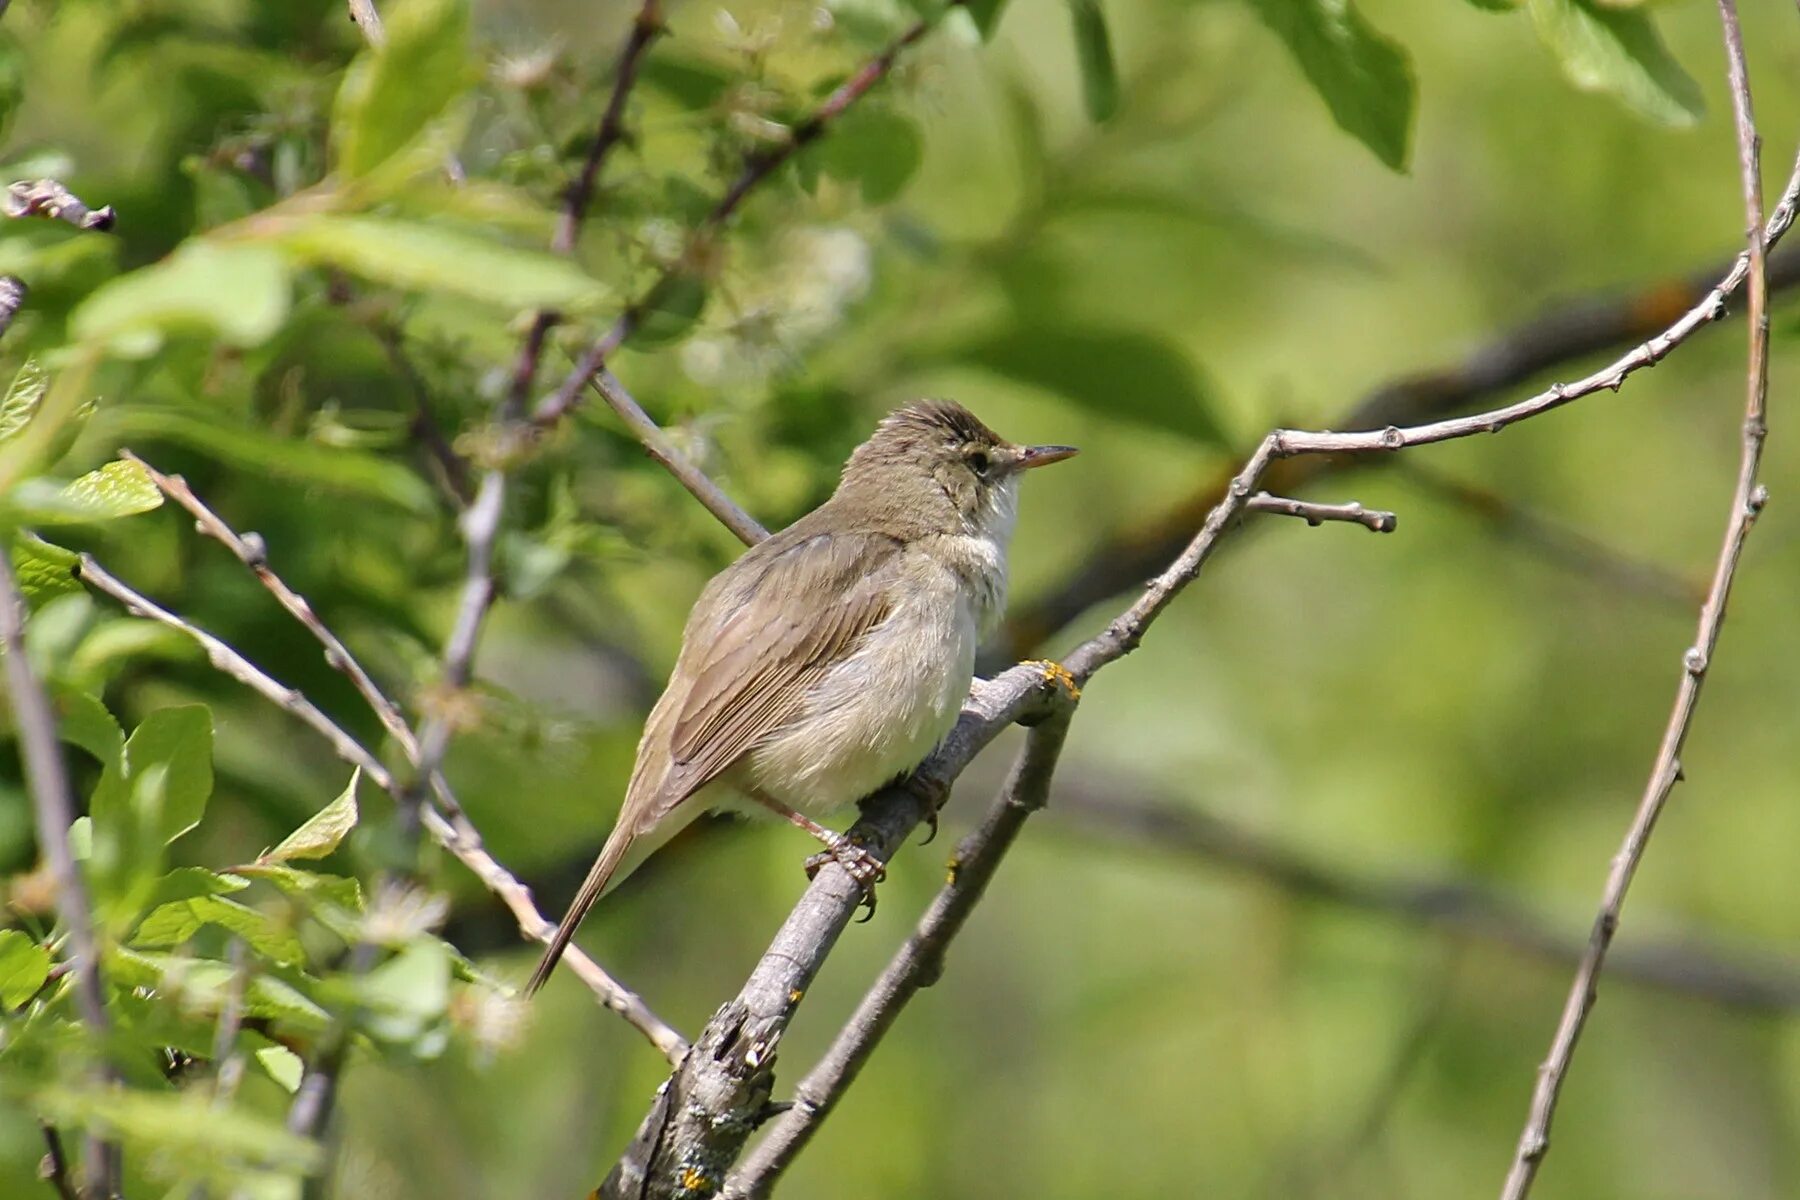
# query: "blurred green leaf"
{"points": [[1120, 373], [389, 95], [267, 997], [1364, 77], [23, 395], [671, 310], [155, 792], [282, 1065], [24, 965], [44, 570], [83, 720], [1618, 51], [182, 1123], [1498, 6], [1094, 53], [187, 883], [692, 82], [233, 291], [876, 147], [322, 832], [259, 452], [178, 921], [409, 992], [119, 489], [422, 257]]}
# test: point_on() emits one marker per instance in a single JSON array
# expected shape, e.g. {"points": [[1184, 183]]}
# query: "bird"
{"points": [[832, 657]]}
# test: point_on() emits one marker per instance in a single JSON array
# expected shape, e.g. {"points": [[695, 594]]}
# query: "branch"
{"points": [[368, 20], [709, 1107], [53, 805], [1566, 333], [1757, 983], [1747, 501], [1374, 520], [53, 1168], [48, 198], [447, 825], [644, 30], [12, 298], [917, 964], [757, 168]]}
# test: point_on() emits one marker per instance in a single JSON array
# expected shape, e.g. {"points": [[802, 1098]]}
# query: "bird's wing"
{"points": [[794, 613]]}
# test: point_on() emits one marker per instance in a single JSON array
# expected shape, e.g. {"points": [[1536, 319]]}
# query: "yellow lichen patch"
{"points": [[951, 868], [795, 994], [1055, 672], [693, 1179]]}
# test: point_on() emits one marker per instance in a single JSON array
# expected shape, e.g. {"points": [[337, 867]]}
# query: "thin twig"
{"points": [[368, 20], [1375, 520], [1556, 337], [707, 1110], [644, 30], [1747, 501], [917, 964], [48, 198], [47, 777], [53, 1168], [450, 828]]}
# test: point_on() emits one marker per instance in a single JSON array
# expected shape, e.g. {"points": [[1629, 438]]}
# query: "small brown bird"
{"points": [[833, 656]]}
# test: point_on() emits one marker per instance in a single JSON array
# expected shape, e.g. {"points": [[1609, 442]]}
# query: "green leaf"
{"points": [[322, 832], [282, 1065], [153, 793], [81, 838], [878, 148], [83, 720], [986, 15], [1121, 373], [410, 991], [188, 883], [24, 965], [177, 740], [390, 95], [258, 452], [1614, 50], [1093, 51], [1496, 6], [23, 396], [342, 891], [670, 311], [119, 489], [267, 997], [694, 83], [176, 922], [236, 292], [44, 570], [1365, 78], [185, 1126], [422, 257]]}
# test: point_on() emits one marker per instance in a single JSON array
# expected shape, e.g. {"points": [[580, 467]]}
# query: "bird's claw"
{"points": [[932, 795], [864, 869]]}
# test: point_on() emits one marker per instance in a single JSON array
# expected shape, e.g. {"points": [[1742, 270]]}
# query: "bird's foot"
{"points": [[932, 793], [864, 869]]}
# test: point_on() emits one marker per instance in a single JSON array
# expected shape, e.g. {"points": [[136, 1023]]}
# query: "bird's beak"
{"points": [[1039, 456]]}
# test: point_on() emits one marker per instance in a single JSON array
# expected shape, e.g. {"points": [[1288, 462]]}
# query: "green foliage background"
{"points": [[1152, 228]]}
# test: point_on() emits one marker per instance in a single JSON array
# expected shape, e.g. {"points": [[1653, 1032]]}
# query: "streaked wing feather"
{"points": [[805, 610]]}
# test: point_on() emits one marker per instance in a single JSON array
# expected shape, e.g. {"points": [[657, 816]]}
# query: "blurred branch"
{"points": [[1570, 331], [1374, 520], [449, 826], [1747, 502], [917, 964], [1763, 982], [53, 805], [1556, 541], [707, 1110], [644, 30], [368, 20], [53, 1168], [48, 198], [757, 168]]}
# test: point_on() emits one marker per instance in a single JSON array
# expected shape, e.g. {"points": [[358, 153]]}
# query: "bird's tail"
{"points": [[611, 855]]}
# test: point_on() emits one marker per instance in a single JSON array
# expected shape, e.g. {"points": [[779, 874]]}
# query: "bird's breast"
{"points": [[878, 714]]}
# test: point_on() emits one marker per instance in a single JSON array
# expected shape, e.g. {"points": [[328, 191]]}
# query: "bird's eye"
{"points": [[978, 462]]}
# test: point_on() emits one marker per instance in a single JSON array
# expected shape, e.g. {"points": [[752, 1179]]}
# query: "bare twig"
{"points": [[1746, 502], [368, 20], [1374, 520], [48, 198], [450, 828], [53, 805], [53, 1168], [644, 30], [1556, 337], [917, 964], [658, 446], [708, 1108]]}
